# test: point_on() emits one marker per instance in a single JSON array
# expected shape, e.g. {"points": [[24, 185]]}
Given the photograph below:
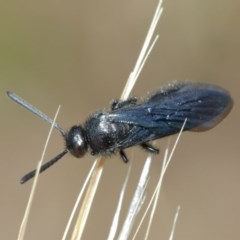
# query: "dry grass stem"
{"points": [[144, 53], [113, 228], [174, 223], [87, 203], [157, 190], [78, 200], [146, 49], [137, 201], [23, 226]]}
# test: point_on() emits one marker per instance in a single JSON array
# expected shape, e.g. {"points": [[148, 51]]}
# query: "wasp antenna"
{"points": [[45, 166], [34, 110]]}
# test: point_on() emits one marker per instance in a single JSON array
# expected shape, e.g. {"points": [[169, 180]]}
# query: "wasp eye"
{"points": [[76, 142]]}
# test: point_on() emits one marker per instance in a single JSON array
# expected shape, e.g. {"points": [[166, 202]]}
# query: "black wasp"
{"points": [[133, 122]]}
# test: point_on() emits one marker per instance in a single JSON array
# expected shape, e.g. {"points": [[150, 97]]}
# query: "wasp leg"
{"points": [[116, 104], [150, 148], [123, 156]]}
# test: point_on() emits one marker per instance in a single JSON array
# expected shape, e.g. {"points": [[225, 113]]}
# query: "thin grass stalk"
{"points": [[136, 201], [113, 228], [144, 53], [174, 223], [166, 162], [23, 226], [83, 214], [126, 92], [78, 201]]}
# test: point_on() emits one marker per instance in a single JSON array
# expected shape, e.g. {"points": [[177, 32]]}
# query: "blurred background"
{"points": [[79, 54]]}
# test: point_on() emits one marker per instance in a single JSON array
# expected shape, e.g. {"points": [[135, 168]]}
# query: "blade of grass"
{"points": [[113, 228], [136, 201], [174, 223], [78, 201], [87, 202], [126, 92], [23, 226], [144, 53], [166, 162]]}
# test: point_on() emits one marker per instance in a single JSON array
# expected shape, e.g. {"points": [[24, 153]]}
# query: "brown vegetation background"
{"points": [[79, 54]]}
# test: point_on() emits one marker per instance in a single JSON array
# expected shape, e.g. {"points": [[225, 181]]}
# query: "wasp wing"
{"points": [[163, 113]]}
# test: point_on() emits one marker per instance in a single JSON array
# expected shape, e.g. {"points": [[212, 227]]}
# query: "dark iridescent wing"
{"points": [[136, 136], [163, 113]]}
